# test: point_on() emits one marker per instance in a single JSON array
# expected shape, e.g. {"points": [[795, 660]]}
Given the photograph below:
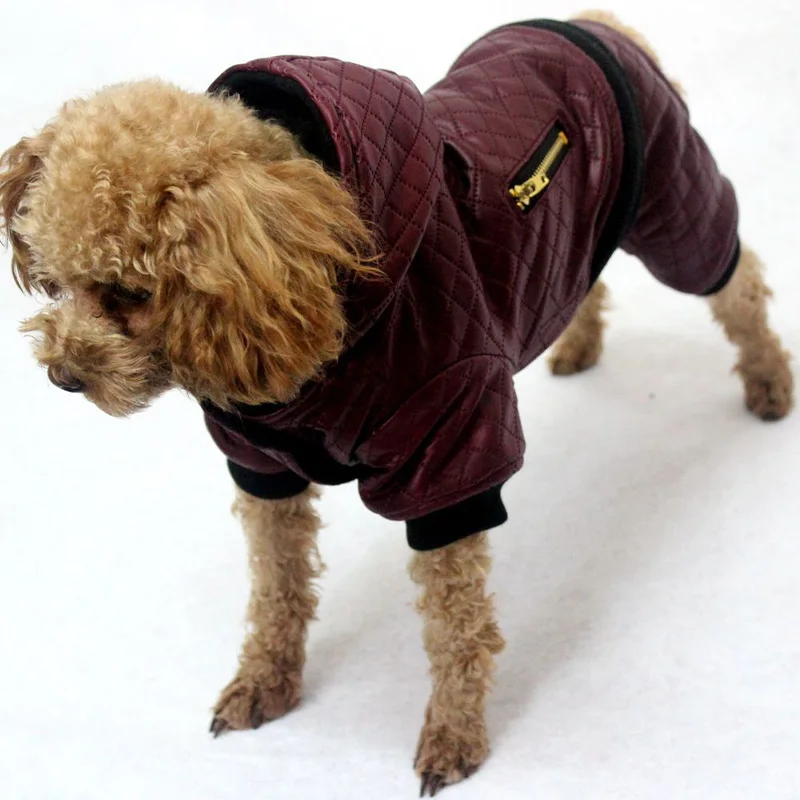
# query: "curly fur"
{"points": [[741, 309], [120, 373], [461, 638], [284, 562], [581, 344], [19, 166], [245, 244]]}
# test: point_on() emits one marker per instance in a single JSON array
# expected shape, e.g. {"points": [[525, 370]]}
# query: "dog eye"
{"points": [[132, 297]]}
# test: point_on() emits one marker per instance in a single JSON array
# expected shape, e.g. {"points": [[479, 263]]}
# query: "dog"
{"points": [[346, 274]]}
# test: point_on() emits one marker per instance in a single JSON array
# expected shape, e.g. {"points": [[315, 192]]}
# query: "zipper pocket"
{"points": [[537, 172]]}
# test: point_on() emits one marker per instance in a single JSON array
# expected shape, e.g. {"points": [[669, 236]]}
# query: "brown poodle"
{"points": [[186, 242]]}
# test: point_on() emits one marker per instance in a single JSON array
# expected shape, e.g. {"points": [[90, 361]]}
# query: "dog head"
{"points": [[181, 241]]}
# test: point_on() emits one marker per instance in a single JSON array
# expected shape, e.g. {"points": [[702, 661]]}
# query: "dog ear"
{"points": [[20, 165], [250, 295]]}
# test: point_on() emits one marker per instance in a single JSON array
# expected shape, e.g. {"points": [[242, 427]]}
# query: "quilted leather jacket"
{"points": [[498, 196]]}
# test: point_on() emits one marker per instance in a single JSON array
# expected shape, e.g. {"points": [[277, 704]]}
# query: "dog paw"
{"points": [[252, 699], [567, 360], [446, 756], [770, 398]]}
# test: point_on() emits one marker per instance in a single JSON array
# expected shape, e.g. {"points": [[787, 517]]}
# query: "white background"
{"points": [[647, 582]]}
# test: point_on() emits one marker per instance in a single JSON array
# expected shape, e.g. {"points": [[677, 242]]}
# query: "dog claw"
{"points": [[431, 784], [256, 716], [218, 726], [440, 773]]}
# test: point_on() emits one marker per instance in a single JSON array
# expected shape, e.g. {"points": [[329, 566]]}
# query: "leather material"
{"points": [[686, 231], [421, 406]]}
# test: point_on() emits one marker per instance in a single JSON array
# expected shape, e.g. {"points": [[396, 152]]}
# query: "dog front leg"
{"points": [[284, 561], [461, 638]]}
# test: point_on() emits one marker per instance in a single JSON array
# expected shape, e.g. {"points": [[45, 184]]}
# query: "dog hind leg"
{"points": [[581, 344], [741, 308]]}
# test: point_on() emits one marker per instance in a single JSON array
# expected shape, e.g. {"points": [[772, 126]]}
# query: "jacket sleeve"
{"points": [[442, 457], [252, 470]]}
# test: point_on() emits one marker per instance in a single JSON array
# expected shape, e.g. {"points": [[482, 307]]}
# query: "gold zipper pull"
{"points": [[524, 192]]}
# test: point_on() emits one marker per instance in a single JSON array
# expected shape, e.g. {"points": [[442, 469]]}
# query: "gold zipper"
{"points": [[524, 192]]}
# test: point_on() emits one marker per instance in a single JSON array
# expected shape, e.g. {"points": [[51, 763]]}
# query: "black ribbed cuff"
{"points": [[278, 486], [473, 515]]}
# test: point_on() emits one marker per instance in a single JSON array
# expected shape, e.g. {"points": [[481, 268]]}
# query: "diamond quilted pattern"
{"points": [[422, 400], [686, 231]]}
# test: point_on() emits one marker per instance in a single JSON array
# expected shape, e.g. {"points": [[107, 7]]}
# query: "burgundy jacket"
{"points": [[498, 196]]}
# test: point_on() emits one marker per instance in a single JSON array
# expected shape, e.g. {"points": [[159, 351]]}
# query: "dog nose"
{"points": [[64, 379]]}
